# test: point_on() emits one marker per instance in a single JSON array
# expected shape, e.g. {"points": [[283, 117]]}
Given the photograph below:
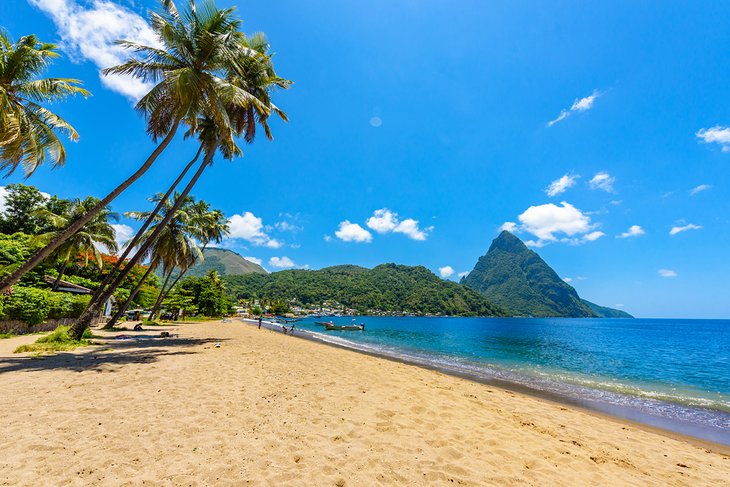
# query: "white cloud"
{"points": [[89, 31], [510, 227], [409, 227], [376, 122], [386, 221], [633, 231], [462, 275], [282, 262], [699, 189], [383, 221], [579, 105], [568, 279], [446, 271], [667, 273], [561, 185], [3, 195], [544, 221], [122, 233], [250, 228], [352, 232], [327, 238], [255, 260], [716, 135], [690, 226], [552, 223], [602, 180]]}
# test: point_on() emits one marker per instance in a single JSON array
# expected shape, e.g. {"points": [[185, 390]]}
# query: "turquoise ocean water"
{"points": [[673, 374]]}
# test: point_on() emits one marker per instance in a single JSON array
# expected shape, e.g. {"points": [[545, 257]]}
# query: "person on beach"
{"points": [[260, 322]]}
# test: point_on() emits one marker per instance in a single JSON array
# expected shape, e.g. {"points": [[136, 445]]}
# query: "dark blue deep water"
{"points": [[669, 373]]}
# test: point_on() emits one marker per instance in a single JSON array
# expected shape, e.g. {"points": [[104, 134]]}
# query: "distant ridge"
{"points": [[226, 262], [387, 288], [517, 279]]}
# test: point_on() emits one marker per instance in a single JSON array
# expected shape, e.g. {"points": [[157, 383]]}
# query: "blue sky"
{"points": [[596, 132]]}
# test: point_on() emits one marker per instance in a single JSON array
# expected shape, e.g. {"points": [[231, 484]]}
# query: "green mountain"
{"points": [[226, 262], [605, 312], [387, 288], [516, 279]]}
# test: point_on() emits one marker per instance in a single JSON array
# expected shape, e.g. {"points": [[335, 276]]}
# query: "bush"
{"points": [[27, 304], [34, 306]]}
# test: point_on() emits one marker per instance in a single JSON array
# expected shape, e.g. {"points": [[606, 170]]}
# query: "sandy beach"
{"points": [[269, 409]]}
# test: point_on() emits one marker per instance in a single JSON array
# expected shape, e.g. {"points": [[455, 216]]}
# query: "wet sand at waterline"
{"points": [[269, 409]]}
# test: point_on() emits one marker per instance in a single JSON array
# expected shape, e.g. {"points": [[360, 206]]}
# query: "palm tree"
{"points": [[200, 44], [174, 246], [207, 226], [28, 130], [245, 102], [96, 235]]}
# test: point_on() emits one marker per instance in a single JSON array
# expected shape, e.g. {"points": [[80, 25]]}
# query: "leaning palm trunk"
{"points": [[60, 275], [165, 290], [43, 253], [94, 303], [132, 294], [158, 302], [77, 329]]}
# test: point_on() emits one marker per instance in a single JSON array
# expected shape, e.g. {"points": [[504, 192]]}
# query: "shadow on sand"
{"points": [[141, 349]]}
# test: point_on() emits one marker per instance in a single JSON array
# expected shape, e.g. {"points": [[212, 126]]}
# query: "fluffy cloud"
{"points": [[122, 233], [89, 31], [552, 223], [602, 180], [716, 135], [250, 228], [3, 195], [509, 227], [579, 105], [281, 263], [677, 229], [255, 260], [544, 221], [667, 273], [699, 189], [352, 232], [386, 221], [561, 185], [446, 271], [633, 231], [382, 221]]}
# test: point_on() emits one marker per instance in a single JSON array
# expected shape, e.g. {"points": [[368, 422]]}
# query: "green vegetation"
{"points": [[34, 306], [209, 78], [225, 262], [58, 340], [204, 296], [518, 280], [605, 312], [387, 288]]}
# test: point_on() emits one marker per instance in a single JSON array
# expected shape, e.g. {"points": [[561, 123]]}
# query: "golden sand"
{"points": [[271, 409]]}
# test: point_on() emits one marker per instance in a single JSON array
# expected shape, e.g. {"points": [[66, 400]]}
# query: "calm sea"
{"points": [[674, 374]]}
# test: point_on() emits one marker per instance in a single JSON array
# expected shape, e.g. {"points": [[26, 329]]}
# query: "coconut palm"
{"points": [[174, 245], [88, 242], [200, 44], [28, 130], [207, 226], [214, 130]]}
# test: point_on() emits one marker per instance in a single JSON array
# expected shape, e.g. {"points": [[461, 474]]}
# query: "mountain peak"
{"points": [[509, 242], [517, 279]]}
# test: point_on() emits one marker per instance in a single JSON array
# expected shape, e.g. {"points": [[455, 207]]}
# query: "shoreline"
{"points": [[623, 415], [222, 403]]}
